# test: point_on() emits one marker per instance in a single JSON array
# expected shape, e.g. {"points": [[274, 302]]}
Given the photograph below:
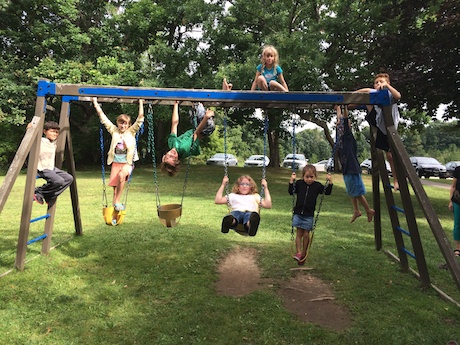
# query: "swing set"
{"points": [[29, 147]]}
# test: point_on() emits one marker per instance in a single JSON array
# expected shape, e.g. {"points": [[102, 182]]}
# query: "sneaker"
{"points": [[298, 257], [114, 222], [38, 198], [227, 223], [254, 221]]}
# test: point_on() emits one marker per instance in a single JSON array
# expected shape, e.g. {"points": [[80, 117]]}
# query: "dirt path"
{"points": [[304, 295]]}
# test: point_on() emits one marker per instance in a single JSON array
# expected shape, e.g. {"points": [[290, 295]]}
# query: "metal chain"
{"points": [[151, 149], [225, 156], [293, 170], [101, 142]]}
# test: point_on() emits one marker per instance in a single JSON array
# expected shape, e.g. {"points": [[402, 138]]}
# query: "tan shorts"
{"points": [[116, 169]]}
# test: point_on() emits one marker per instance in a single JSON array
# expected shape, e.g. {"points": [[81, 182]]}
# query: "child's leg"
{"points": [[356, 212], [369, 211], [299, 240], [306, 241], [122, 177], [393, 170], [275, 86], [262, 83]]}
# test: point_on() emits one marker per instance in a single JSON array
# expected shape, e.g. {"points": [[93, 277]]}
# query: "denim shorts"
{"points": [[354, 185], [303, 222]]}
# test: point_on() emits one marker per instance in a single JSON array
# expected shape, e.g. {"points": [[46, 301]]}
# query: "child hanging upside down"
{"points": [[244, 202], [347, 150], [188, 143]]}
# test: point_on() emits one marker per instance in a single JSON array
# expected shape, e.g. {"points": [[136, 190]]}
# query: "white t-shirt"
{"points": [[247, 202]]}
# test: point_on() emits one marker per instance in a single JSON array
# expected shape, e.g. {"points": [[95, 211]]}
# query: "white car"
{"points": [[256, 161], [219, 159], [321, 165], [297, 161]]}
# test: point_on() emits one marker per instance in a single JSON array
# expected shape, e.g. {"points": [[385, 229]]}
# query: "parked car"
{"points": [[297, 162], [329, 166], [367, 165], [256, 161], [219, 159], [428, 166], [450, 167], [321, 165]]}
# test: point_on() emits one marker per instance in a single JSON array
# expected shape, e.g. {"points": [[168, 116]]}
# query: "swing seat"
{"points": [[241, 230], [169, 214], [110, 214]]}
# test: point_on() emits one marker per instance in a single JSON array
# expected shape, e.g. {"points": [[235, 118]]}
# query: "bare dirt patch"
{"points": [[304, 295]]}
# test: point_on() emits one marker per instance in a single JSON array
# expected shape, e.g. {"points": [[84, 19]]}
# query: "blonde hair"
{"points": [[270, 50], [235, 188], [124, 118], [309, 168]]}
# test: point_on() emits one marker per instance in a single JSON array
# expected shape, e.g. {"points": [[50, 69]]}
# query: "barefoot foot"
{"points": [[355, 215], [226, 86], [370, 215]]}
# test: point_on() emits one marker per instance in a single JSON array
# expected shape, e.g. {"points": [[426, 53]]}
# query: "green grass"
{"points": [[143, 283]]}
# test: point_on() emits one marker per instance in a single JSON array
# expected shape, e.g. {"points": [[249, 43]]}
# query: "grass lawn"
{"points": [[143, 283]]}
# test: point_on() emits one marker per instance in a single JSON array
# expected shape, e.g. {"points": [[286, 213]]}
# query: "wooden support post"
{"points": [[30, 185]]}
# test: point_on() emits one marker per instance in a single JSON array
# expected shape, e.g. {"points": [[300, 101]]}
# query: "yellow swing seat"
{"points": [[109, 214], [169, 214]]}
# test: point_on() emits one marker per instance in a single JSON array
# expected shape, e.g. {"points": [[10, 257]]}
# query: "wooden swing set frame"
{"points": [[30, 145]]}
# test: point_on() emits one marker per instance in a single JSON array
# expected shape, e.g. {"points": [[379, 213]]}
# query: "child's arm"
{"points": [[175, 118], [98, 108], [328, 189], [199, 129], [368, 90], [141, 109], [395, 93], [220, 198], [254, 83], [266, 202]]}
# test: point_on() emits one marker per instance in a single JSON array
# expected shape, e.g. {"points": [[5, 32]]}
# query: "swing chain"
{"points": [[225, 152], [151, 149], [104, 189]]}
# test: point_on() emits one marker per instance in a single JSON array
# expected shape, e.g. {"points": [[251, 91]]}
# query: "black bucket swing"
{"points": [[168, 214], [112, 216], [239, 229]]}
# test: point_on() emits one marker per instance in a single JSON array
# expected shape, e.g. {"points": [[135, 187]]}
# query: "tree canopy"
{"points": [[323, 46]]}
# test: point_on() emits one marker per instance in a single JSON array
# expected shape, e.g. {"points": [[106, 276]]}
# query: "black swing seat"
{"points": [[169, 214]]}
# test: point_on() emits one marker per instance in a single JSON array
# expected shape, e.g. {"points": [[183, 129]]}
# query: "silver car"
{"points": [[219, 159]]}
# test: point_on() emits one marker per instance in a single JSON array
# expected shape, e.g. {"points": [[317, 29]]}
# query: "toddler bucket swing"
{"points": [[168, 214], [239, 229], [112, 216]]}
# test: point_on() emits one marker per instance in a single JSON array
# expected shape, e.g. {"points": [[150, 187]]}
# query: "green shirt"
{"points": [[184, 144]]}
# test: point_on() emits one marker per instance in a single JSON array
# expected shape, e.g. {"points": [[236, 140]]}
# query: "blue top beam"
{"points": [[262, 99]]}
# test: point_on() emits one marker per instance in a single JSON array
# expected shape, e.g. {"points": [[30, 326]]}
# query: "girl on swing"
{"points": [[123, 152], [244, 202], [307, 190]]}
